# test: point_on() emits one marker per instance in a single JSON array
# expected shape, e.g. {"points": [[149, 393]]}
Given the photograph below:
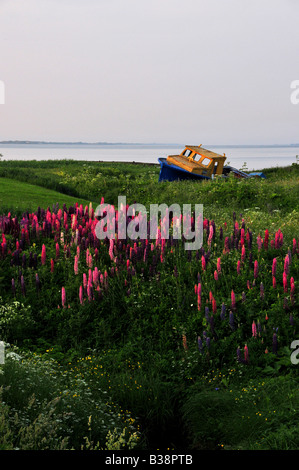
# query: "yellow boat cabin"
{"points": [[199, 161]]}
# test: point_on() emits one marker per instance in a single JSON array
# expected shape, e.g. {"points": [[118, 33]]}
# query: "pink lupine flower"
{"points": [[256, 269], [57, 250], [89, 291], [286, 264], [274, 282], [274, 265], [242, 240], [95, 276], [111, 244], [52, 265], [243, 253], [203, 263], [259, 242], [285, 281], [266, 240], [63, 297], [216, 275], [76, 265], [81, 294], [219, 265], [43, 254], [233, 299], [253, 328], [246, 355], [214, 306], [84, 280]]}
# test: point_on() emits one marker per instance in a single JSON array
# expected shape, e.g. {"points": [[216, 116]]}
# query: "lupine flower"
{"points": [[256, 269], [208, 342], [266, 239], [286, 264], [274, 265], [76, 265], [243, 253], [184, 342], [214, 306], [243, 297], [274, 282], [231, 320], [23, 287], [259, 242], [253, 328], [246, 354], [222, 314], [285, 281], [63, 297], [13, 286], [233, 299], [203, 263], [43, 254], [199, 342], [216, 275], [81, 294], [52, 265], [219, 265]]}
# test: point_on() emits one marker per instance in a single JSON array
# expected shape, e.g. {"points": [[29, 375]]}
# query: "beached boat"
{"points": [[198, 163]]}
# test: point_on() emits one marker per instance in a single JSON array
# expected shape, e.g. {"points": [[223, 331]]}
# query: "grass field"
{"points": [[142, 344]]}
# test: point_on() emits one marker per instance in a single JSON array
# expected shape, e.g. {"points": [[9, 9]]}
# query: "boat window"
{"points": [[187, 153], [205, 161]]}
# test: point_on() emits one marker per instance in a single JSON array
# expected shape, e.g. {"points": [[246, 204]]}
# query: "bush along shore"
{"points": [[141, 344]]}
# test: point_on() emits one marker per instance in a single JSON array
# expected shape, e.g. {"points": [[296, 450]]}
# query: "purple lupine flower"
{"points": [[231, 320], [222, 314], [23, 287], [208, 342], [199, 342], [13, 286], [37, 282], [207, 314]]}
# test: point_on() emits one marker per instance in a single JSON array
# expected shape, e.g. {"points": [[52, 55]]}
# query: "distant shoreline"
{"points": [[134, 144]]}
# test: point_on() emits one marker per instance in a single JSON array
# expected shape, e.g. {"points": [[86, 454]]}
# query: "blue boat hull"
{"points": [[175, 173]]}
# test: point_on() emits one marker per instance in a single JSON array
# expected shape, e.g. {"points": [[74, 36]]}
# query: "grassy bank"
{"points": [[145, 344]]}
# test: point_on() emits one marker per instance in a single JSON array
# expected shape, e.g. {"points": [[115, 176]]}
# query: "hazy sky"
{"points": [[191, 71]]}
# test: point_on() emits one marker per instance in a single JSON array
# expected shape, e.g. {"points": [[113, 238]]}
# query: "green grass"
{"points": [[17, 197]]}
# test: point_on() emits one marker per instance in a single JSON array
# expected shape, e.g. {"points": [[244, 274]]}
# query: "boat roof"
{"points": [[204, 152]]}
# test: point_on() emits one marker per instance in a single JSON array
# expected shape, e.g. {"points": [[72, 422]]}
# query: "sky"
{"points": [[162, 71]]}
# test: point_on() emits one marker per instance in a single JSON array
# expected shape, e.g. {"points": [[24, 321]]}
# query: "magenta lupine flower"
{"points": [[57, 250], [214, 306], [259, 242], [274, 282], [243, 253], [76, 265], [43, 254], [216, 275], [242, 240], [286, 264], [274, 265], [95, 276], [246, 354], [285, 282], [233, 299], [52, 265], [84, 281], [203, 263], [266, 239], [63, 297], [81, 294], [89, 291], [253, 328], [219, 265], [256, 269]]}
